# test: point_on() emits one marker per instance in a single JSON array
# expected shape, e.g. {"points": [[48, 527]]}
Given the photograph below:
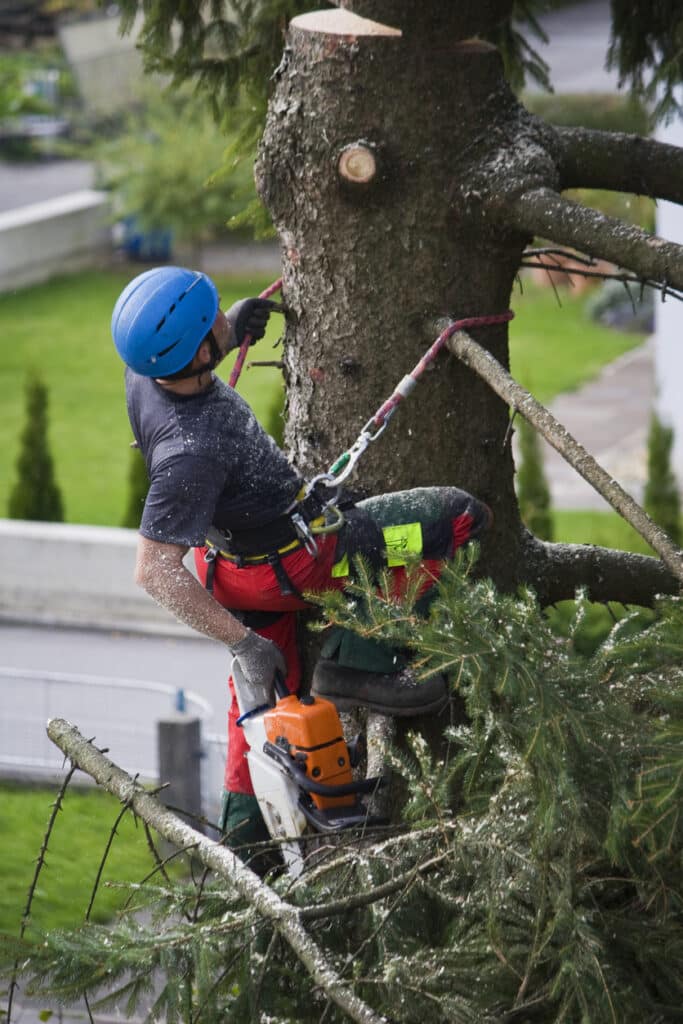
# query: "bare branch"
{"points": [[551, 260], [544, 213], [284, 916], [619, 162], [40, 863], [483, 363], [380, 892]]}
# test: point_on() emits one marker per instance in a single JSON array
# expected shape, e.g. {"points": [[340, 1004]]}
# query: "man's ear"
{"points": [[202, 355]]}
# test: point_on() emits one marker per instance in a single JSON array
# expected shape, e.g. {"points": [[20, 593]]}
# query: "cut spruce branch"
{"points": [[283, 916], [519, 399], [544, 213], [619, 162]]}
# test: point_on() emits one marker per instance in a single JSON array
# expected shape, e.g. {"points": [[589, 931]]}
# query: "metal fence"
{"points": [[119, 714]]}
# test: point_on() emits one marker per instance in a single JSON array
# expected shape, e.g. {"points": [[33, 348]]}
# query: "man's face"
{"points": [[222, 333]]}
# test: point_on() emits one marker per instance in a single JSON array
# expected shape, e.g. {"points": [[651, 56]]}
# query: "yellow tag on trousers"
{"points": [[402, 542]]}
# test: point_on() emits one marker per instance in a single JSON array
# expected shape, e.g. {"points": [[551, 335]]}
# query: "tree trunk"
{"points": [[404, 180], [371, 262]]}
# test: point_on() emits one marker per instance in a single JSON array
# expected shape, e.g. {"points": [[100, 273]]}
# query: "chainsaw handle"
{"points": [[319, 788]]}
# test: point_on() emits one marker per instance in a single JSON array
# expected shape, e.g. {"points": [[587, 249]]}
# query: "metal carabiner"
{"points": [[379, 430], [334, 525], [303, 532]]}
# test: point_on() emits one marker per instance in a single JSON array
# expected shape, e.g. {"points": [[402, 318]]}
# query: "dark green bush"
{"points": [[533, 493], [35, 495], [661, 500]]}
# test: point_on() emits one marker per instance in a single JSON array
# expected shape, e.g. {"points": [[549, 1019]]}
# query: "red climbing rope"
{"points": [[410, 380], [244, 347], [346, 462]]}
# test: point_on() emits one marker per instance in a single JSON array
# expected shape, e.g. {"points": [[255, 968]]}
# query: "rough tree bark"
{"points": [[404, 180]]}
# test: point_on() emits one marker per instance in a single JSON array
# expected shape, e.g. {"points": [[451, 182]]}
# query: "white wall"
{"points": [[107, 66], [64, 574], [55, 236], [669, 321]]}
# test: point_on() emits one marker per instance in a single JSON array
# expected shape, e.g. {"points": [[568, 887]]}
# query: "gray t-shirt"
{"points": [[209, 462]]}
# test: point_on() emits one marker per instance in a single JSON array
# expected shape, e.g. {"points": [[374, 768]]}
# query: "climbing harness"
{"points": [[330, 518]]}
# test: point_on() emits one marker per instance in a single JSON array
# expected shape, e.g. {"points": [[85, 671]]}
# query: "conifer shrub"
{"points": [[138, 486], [532, 874], [661, 499], [533, 493], [35, 494]]}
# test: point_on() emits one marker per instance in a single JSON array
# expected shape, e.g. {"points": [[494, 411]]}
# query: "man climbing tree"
{"points": [[399, 207], [405, 181]]}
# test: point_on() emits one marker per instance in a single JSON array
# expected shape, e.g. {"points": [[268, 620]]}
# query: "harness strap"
{"points": [[210, 557], [287, 588]]}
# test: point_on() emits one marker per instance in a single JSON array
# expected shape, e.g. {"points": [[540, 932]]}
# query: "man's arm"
{"points": [[160, 571]]}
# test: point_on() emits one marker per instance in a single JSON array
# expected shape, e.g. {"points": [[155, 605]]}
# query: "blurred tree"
{"points": [[35, 494], [533, 493], [662, 500], [172, 169]]}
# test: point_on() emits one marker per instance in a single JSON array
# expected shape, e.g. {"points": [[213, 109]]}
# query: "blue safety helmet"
{"points": [[161, 318]]}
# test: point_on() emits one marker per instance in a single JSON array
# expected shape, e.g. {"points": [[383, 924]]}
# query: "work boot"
{"points": [[399, 694]]}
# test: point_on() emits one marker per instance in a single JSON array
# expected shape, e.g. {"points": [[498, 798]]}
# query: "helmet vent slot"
{"points": [[165, 351]]}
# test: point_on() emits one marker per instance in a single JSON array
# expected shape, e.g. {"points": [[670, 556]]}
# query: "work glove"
{"points": [[250, 316], [259, 660]]}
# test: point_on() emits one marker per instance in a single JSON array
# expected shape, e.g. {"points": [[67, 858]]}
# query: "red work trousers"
{"points": [[256, 588]]}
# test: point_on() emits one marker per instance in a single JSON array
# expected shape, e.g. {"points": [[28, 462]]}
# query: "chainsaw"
{"points": [[302, 768]]}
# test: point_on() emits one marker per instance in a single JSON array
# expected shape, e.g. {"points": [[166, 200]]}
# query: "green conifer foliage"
{"points": [[533, 493], [138, 485], [534, 874], [35, 494], [662, 500]]}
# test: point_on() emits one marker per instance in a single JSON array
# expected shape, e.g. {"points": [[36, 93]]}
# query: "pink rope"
{"points": [[244, 347], [392, 402]]}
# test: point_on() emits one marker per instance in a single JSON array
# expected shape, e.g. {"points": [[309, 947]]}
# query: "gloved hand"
{"points": [[259, 659], [250, 316]]}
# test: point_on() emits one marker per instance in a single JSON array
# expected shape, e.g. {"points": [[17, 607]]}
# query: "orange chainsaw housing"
{"points": [[312, 733]]}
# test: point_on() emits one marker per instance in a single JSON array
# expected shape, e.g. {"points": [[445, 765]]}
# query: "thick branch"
{"points": [[284, 916], [544, 213], [557, 571], [620, 162], [483, 363]]}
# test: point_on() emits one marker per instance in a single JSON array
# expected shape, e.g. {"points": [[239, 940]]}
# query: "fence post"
{"points": [[179, 744]]}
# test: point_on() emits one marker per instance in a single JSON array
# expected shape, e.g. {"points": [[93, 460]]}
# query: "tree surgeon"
{"points": [[262, 538]]}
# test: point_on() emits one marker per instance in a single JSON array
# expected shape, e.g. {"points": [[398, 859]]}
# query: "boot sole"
{"points": [[348, 704]]}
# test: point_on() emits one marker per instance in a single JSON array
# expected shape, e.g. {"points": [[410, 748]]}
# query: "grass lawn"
{"points": [[557, 348], [606, 529], [61, 330], [75, 851]]}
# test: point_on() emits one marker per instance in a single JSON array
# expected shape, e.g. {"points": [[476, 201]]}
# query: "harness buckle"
{"points": [[303, 532]]}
